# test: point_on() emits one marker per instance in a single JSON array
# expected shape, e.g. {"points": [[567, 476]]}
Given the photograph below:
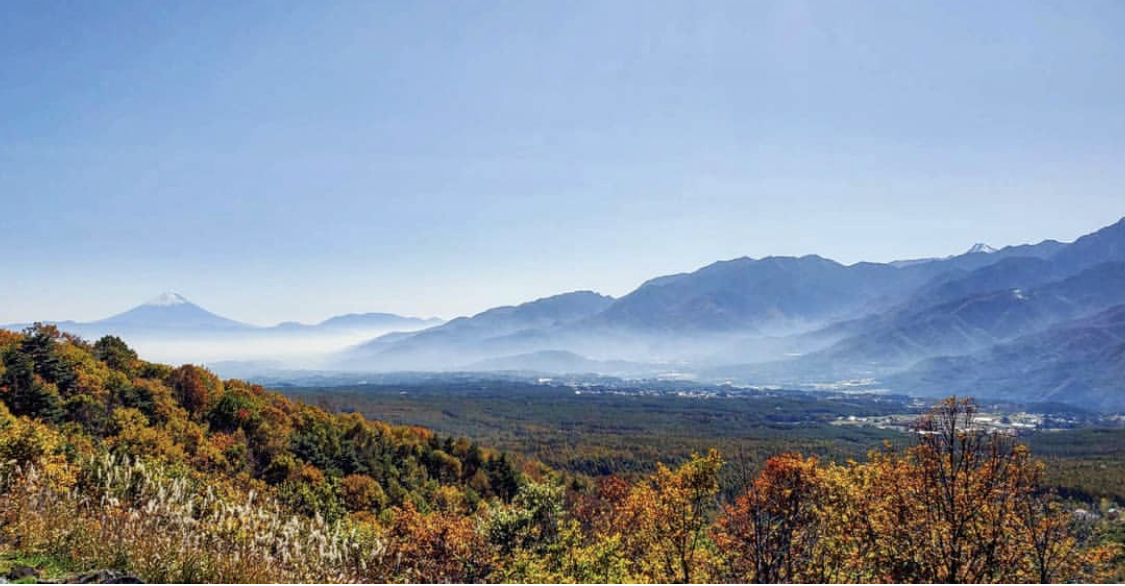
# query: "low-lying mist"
{"points": [[296, 351]]}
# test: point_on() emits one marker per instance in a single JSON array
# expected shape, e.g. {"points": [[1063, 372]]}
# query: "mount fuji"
{"points": [[169, 311], [170, 327]]}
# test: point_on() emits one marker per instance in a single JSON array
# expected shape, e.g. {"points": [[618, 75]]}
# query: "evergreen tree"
{"points": [[502, 477], [25, 392]]}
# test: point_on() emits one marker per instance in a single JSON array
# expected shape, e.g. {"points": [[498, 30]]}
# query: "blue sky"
{"points": [[275, 160]]}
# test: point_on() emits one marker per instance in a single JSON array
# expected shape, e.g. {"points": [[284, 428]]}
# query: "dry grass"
{"points": [[130, 516]]}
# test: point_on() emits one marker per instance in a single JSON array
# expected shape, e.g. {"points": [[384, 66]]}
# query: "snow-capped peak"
{"points": [[981, 247], [167, 299]]}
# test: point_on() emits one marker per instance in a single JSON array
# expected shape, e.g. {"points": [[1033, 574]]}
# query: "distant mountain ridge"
{"points": [[752, 295], [353, 321], [1040, 250], [865, 319], [467, 339], [735, 298], [172, 314], [769, 320], [169, 311]]}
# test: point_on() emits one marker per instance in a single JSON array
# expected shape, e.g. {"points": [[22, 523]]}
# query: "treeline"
{"points": [[108, 461]]}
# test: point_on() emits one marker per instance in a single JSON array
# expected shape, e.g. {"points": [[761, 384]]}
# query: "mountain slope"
{"points": [[747, 295], [958, 311], [786, 293], [468, 339], [981, 320], [1104, 245], [746, 309], [361, 322], [169, 311], [1080, 362], [1021, 272], [210, 466]]}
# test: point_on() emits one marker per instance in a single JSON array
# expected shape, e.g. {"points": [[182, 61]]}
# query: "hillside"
{"points": [[749, 294], [117, 468], [469, 339], [1081, 362], [186, 414], [68, 405], [981, 319]]}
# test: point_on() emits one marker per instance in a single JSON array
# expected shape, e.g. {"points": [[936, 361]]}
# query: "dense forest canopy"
{"points": [[109, 461]]}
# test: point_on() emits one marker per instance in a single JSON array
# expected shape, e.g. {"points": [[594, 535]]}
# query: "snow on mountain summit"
{"points": [[167, 299], [981, 247], [168, 311]]}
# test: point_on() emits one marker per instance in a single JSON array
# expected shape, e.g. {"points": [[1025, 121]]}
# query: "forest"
{"points": [[169, 474], [595, 429]]}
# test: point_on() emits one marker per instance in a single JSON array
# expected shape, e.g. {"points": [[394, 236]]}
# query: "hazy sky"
{"points": [[274, 160]]}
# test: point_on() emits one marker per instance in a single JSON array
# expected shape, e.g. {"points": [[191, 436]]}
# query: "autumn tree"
{"points": [[962, 505], [361, 493], [770, 533], [531, 521], [1057, 544], [662, 522], [967, 480], [438, 547], [195, 388]]}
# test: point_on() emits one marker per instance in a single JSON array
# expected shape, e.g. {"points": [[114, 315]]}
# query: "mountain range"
{"points": [[807, 320], [170, 327], [1025, 322], [172, 314]]}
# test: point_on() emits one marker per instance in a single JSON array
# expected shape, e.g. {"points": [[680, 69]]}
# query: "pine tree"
{"points": [[25, 392]]}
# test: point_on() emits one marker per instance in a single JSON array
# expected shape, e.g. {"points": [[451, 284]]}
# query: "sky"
{"points": [[294, 160]]}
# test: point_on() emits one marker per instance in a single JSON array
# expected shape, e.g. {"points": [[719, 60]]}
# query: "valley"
{"points": [[571, 292], [615, 427]]}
